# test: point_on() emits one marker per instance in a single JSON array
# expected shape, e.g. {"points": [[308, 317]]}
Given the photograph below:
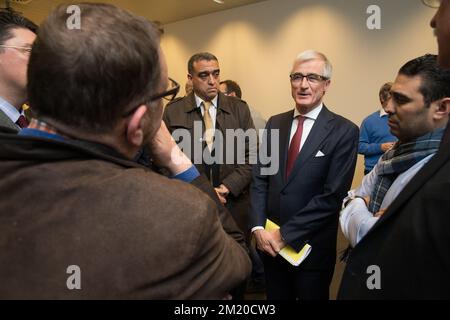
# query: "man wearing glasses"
{"points": [[17, 35], [317, 154], [406, 253], [76, 200]]}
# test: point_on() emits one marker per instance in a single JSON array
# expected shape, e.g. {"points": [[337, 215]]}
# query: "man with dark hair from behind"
{"points": [[231, 88], [131, 233], [17, 35]]}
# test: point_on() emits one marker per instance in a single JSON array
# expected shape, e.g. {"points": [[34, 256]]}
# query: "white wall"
{"points": [[256, 45]]}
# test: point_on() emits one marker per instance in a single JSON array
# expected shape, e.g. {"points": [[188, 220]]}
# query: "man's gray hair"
{"points": [[312, 55]]}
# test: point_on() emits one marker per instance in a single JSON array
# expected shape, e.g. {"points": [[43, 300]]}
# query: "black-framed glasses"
{"points": [[24, 50], [170, 93], [311, 77], [432, 3]]}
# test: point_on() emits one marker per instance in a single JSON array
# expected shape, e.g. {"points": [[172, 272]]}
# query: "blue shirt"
{"points": [[374, 131]]}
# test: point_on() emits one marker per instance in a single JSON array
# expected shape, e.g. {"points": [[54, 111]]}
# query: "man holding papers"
{"points": [[317, 152]]}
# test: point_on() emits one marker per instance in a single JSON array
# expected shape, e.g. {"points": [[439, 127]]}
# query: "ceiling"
{"points": [[164, 11]]}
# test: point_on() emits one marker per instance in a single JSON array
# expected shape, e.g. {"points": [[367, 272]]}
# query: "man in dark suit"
{"points": [[17, 35], [317, 157], [406, 253], [229, 175]]}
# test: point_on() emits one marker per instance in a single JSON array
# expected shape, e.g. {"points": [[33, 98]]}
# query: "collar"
{"points": [[313, 114], [10, 110], [383, 113], [41, 129], [199, 101]]}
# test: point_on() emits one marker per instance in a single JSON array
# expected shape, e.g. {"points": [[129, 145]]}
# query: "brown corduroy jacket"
{"points": [[133, 234]]}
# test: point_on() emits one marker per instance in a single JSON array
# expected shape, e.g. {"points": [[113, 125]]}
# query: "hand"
{"points": [[222, 193], [386, 146], [263, 239], [380, 213], [278, 242], [166, 152]]}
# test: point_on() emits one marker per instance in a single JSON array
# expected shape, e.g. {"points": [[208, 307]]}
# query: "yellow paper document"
{"points": [[288, 253]]}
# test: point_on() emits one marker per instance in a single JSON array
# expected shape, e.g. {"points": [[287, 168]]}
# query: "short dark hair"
{"points": [[232, 86], [88, 78], [385, 91], [10, 20], [197, 57], [435, 80]]}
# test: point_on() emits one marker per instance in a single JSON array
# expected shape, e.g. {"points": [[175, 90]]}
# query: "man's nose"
{"points": [[304, 84], [390, 108], [433, 22], [211, 79]]}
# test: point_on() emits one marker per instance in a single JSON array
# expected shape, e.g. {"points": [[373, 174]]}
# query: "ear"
{"points": [[189, 77], [135, 132], [326, 86], [442, 109]]}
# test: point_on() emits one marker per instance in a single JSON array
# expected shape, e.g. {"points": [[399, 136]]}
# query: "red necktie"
{"points": [[294, 147], [22, 122]]}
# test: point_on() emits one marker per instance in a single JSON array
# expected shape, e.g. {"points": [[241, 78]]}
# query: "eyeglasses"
{"points": [[312, 78], [432, 3], [170, 93], [24, 50]]}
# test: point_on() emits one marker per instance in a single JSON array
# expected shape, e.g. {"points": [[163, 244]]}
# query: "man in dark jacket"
{"points": [[210, 121], [317, 151]]}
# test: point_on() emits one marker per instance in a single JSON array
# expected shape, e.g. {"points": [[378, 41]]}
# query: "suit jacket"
{"points": [[307, 204], [134, 234], [6, 122], [232, 113], [410, 243]]}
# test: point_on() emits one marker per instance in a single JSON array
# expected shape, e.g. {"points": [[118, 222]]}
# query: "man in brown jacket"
{"points": [[218, 155], [97, 224]]}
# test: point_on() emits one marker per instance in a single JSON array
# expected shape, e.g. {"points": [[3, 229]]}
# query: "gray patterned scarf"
{"points": [[399, 159]]}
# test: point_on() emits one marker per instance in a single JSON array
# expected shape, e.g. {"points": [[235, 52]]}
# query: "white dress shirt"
{"points": [[310, 119], [356, 219]]}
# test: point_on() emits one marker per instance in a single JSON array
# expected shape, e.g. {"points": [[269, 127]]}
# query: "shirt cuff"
{"points": [[351, 219], [188, 175], [257, 228]]}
